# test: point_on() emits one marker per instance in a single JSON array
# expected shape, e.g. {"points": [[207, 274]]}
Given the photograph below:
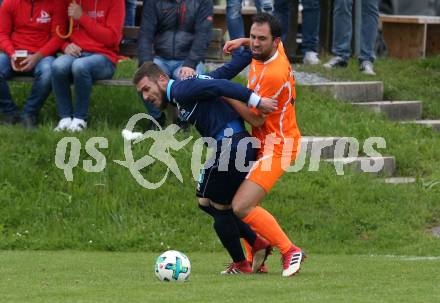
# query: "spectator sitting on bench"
{"points": [[90, 54], [175, 35], [28, 27]]}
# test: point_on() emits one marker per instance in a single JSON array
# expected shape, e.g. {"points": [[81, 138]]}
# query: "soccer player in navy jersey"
{"points": [[199, 101]]}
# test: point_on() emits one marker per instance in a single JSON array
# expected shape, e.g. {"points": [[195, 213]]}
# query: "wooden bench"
{"points": [[214, 53], [411, 36]]}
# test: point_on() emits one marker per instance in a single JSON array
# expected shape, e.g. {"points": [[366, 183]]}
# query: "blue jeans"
{"points": [[40, 88], [83, 71], [234, 18], [282, 12], [130, 12], [342, 28], [310, 25], [172, 69]]}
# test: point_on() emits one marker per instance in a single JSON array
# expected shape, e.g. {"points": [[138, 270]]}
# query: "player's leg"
{"points": [[228, 233], [257, 258], [219, 186], [205, 206], [222, 225], [260, 247], [229, 229], [245, 205]]}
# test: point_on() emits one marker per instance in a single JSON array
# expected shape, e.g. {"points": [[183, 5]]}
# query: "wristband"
{"points": [[254, 100]]}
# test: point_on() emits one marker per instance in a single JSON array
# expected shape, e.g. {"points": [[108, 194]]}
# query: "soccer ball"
{"points": [[172, 266]]}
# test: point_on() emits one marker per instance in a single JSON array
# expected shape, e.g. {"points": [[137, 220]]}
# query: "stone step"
{"points": [[395, 110], [385, 165], [400, 180], [318, 148], [364, 91], [322, 147], [435, 124]]}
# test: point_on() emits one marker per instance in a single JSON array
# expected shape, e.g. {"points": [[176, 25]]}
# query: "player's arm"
{"points": [[240, 59], [211, 89], [249, 115], [232, 45]]}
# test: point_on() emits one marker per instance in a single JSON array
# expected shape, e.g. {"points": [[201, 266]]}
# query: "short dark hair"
{"points": [[274, 23], [148, 69]]}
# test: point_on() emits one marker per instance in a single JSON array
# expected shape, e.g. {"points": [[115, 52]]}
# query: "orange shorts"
{"points": [[269, 168]]}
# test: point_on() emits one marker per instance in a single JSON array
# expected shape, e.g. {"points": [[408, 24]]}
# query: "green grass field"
{"points": [[339, 220], [71, 276]]}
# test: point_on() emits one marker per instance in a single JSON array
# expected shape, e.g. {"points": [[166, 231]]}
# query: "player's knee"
{"points": [[240, 210], [221, 207], [203, 202]]}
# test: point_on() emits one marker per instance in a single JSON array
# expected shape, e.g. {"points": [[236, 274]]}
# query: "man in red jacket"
{"points": [[29, 26], [90, 54]]}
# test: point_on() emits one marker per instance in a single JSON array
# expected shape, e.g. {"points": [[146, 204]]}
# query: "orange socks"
{"points": [[248, 250], [267, 226]]}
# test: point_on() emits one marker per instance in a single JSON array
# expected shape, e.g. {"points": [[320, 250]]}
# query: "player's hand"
{"points": [[186, 72], [74, 10], [73, 50], [267, 105], [29, 63], [232, 45]]}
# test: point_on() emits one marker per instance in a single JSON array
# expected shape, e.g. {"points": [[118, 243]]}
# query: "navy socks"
{"points": [[229, 229]]}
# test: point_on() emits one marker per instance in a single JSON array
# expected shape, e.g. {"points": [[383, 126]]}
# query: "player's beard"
{"points": [[162, 96], [263, 56], [163, 105]]}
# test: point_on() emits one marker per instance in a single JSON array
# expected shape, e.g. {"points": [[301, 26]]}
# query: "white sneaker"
{"points": [[77, 125], [311, 58], [366, 68], [336, 61], [64, 124], [131, 136], [291, 261]]}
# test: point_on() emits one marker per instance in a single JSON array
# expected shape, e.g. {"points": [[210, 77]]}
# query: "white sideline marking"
{"points": [[410, 258]]}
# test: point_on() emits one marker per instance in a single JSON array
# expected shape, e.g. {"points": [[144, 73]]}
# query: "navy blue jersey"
{"points": [[199, 98]]}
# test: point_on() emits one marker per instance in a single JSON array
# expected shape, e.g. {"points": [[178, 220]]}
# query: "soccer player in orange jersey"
{"points": [[271, 76]]}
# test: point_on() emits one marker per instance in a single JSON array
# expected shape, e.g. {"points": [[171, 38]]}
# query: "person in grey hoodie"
{"points": [[175, 34]]}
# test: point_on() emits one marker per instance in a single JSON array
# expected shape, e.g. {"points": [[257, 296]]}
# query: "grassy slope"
{"points": [[110, 211], [115, 277]]}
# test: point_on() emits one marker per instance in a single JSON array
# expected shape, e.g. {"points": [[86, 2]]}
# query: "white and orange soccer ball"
{"points": [[172, 266]]}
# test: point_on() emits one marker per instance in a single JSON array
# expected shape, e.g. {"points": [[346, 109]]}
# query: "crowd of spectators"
{"points": [[175, 34]]}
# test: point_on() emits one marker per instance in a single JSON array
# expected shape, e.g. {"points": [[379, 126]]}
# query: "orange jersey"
{"points": [[274, 79], [279, 135]]}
